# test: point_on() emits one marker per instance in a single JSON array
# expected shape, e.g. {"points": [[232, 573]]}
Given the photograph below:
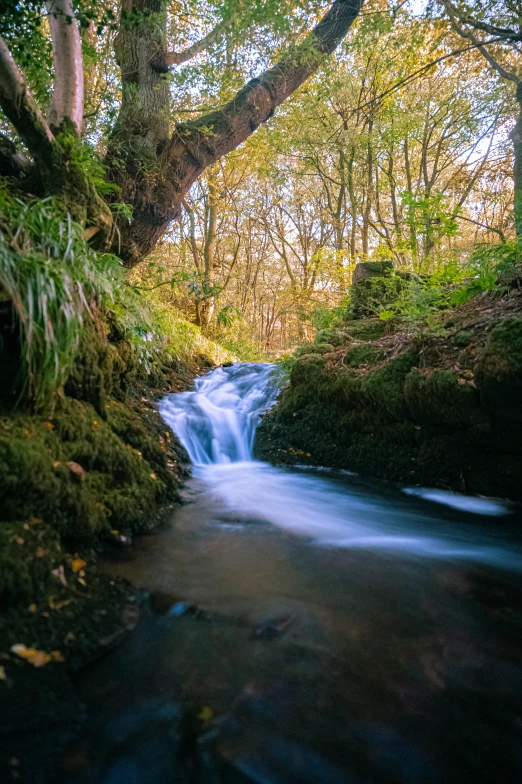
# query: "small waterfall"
{"points": [[216, 423]]}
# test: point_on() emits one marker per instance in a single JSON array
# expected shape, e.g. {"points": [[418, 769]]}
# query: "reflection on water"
{"points": [[312, 627]]}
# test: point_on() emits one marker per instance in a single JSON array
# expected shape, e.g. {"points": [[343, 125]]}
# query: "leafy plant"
{"points": [[486, 268], [54, 281]]}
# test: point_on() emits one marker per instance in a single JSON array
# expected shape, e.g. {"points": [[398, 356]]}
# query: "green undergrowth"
{"points": [[441, 410]]}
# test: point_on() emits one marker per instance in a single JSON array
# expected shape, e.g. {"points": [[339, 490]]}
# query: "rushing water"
{"points": [[216, 424], [315, 627]]}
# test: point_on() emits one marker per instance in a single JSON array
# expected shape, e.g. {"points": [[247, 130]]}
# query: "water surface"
{"points": [[317, 627]]}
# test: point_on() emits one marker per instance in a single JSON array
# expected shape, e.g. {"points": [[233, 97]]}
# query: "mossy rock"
{"points": [[463, 338], [313, 348], [370, 296], [439, 399], [363, 354], [499, 370], [383, 388], [334, 336], [365, 329]]}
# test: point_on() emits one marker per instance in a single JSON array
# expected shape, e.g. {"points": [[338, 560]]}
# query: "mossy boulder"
{"points": [[365, 329], [363, 354], [368, 297], [409, 418], [499, 371], [439, 398]]}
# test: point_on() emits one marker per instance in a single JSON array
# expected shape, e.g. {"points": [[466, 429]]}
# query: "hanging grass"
{"points": [[54, 281]]}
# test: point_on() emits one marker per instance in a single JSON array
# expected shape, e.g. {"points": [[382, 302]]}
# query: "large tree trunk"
{"points": [[155, 168]]}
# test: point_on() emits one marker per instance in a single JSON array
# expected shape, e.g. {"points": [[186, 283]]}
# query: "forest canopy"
{"points": [[232, 161]]}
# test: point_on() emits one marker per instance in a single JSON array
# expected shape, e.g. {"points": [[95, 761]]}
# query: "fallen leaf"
{"points": [[3, 676], [153, 476], [26, 527], [32, 608], [58, 605], [49, 425], [19, 540], [35, 520], [206, 713], [78, 564], [56, 464], [82, 582], [40, 552]]}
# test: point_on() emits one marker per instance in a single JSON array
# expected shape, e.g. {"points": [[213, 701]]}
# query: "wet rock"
{"points": [[273, 627], [140, 745]]}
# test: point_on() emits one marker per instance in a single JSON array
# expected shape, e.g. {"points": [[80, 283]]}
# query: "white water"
{"points": [[216, 424]]}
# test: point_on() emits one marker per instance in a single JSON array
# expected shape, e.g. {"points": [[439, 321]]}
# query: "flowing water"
{"points": [[318, 627]]}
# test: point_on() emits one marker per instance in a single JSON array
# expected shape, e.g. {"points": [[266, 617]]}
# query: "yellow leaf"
{"points": [[82, 581], [77, 564], [49, 425], [26, 527], [153, 476], [35, 520], [3, 676], [32, 608], [56, 464], [206, 713], [35, 657], [115, 531], [58, 605], [40, 552], [19, 540]]}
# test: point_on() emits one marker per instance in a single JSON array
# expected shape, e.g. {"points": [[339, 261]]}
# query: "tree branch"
{"points": [[176, 58], [21, 110], [201, 142], [67, 98], [13, 163], [452, 13]]}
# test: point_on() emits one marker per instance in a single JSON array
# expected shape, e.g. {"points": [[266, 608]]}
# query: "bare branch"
{"points": [[176, 58], [67, 98], [21, 110]]}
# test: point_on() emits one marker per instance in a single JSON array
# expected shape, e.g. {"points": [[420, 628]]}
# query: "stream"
{"points": [[307, 625]]}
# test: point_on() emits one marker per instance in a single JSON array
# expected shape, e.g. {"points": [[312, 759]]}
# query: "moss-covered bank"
{"points": [[443, 411], [96, 469]]}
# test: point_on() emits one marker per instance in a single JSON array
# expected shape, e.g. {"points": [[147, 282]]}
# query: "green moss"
{"points": [[313, 348], [463, 338], [383, 388], [439, 399], [334, 336], [499, 371], [369, 297], [29, 552], [365, 329], [363, 355]]}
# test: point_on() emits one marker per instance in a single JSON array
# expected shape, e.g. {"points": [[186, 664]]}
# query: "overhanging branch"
{"points": [[215, 134]]}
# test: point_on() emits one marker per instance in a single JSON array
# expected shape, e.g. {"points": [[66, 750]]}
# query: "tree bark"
{"points": [[158, 171], [516, 138], [67, 98], [20, 108]]}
